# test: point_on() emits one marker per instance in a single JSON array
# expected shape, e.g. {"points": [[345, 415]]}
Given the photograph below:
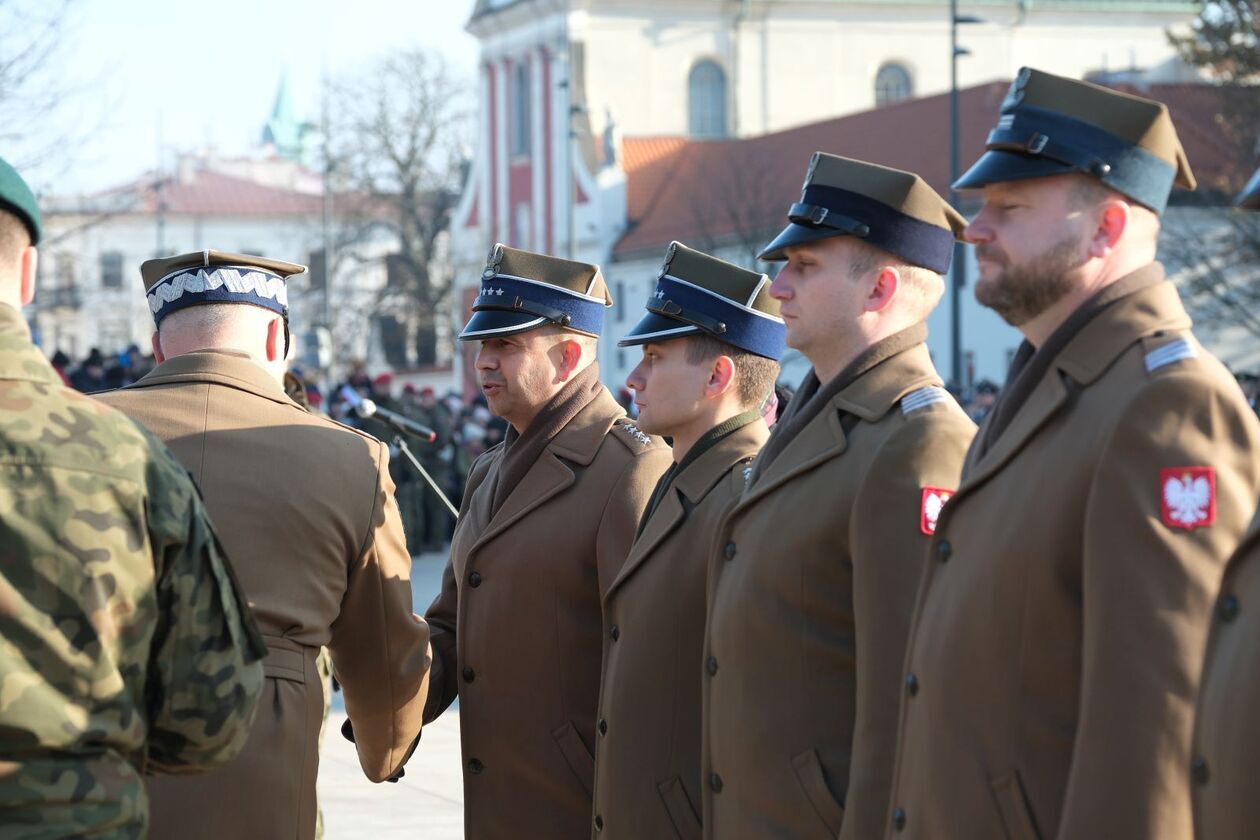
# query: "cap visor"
{"points": [[495, 323], [997, 165], [795, 234], [653, 328]]}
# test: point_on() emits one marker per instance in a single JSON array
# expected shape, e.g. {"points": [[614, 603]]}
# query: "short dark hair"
{"points": [[14, 235], [754, 375]]}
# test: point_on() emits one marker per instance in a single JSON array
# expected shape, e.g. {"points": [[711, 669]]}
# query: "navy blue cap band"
{"points": [[1124, 166], [505, 293], [915, 241], [680, 308], [218, 284]]}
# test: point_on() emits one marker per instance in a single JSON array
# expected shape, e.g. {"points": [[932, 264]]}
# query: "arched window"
{"points": [[892, 84], [706, 100]]}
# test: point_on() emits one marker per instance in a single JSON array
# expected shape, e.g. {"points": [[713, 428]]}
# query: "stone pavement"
{"points": [[428, 802]]}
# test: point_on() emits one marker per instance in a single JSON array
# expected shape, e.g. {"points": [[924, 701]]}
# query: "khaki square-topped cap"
{"points": [[1051, 125], [890, 209], [209, 276], [523, 290]]}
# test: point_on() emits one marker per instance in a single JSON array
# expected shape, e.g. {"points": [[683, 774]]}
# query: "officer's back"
{"points": [[124, 645]]}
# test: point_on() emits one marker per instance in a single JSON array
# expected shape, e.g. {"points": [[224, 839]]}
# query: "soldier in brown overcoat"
{"points": [[1225, 763], [711, 340], [811, 591], [1054, 664], [545, 525], [306, 511]]}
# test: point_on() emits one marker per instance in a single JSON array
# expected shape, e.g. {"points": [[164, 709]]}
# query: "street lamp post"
{"points": [[960, 254]]}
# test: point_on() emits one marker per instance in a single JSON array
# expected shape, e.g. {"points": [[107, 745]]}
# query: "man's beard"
{"points": [[1020, 293]]}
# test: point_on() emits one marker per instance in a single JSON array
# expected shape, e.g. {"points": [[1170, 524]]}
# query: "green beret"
{"points": [[16, 197]]}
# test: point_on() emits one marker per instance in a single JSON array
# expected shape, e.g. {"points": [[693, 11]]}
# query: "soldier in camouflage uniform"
{"points": [[125, 647]]}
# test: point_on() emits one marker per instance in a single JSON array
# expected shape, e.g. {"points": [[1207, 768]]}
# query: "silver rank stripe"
{"points": [[1175, 351], [261, 283], [922, 398]]}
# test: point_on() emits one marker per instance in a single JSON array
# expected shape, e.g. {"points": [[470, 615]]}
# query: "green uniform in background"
{"points": [[125, 646]]}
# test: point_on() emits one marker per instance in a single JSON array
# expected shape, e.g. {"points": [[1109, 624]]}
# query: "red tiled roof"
{"points": [[210, 193], [699, 191]]}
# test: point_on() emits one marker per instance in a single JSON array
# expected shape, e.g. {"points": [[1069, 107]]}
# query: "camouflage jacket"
{"points": [[124, 644]]}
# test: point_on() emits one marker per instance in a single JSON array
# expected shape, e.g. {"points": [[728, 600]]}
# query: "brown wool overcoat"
{"points": [[647, 756], [811, 589], [1060, 627], [304, 507], [1225, 763], [518, 626]]}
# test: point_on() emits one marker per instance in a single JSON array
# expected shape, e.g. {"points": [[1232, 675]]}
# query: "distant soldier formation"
{"points": [[869, 619]]}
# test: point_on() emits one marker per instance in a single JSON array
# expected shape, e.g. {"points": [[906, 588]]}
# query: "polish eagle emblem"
{"points": [[933, 502], [1188, 497]]}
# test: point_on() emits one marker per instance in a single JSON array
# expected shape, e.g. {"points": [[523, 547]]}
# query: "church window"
{"points": [[520, 117], [706, 100], [892, 84]]}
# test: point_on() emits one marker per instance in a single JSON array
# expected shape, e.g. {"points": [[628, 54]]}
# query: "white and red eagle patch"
{"points": [[1188, 497], [934, 499]]}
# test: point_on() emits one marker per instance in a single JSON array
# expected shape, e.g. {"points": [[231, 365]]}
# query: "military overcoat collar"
{"points": [[575, 446], [222, 367], [1088, 355], [695, 482], [869, 398]]}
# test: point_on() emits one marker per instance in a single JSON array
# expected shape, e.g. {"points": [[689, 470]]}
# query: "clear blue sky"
{"points": [[207, 72]]}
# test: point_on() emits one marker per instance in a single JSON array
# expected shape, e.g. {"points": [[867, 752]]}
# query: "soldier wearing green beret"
{"points": [[1061, 623], [1225, 764], [126, 647]]}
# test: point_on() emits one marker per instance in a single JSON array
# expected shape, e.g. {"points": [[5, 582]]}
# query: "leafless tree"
{"points": [[398, 135], [742, 203], [1214, 254]]}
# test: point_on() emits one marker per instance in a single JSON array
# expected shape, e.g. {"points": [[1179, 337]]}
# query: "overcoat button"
{"points": [[715, 783], [912, 685], [469, 675], [603, 727], [615, 632], [474, 579], [899, 819], [1228, 608], [711, 665], [475, 766], [599, 823], [729, 551], [944, 551], [1199, 771]]}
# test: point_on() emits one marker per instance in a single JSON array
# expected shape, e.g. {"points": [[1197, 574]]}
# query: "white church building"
{"points": [[593, 113]]}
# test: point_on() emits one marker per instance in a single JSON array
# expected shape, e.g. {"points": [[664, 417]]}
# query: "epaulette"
{"points": [[635, 433], [924, 397], [1170, 353]]}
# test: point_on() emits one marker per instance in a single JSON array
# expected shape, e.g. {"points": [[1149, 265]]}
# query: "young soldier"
{"points": [[1060, 629], [810, 601], [1225, 762], [711, 341], [125, 645], [306, 508], [546, 523]]}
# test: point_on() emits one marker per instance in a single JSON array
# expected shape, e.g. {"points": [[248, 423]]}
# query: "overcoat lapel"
{"points": [[545, 479], [665, 520], [820, 441], [1045, 402]]}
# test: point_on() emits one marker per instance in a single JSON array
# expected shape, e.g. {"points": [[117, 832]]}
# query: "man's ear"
{"points": [[884, 291], [29, 268], [275, 340], [1112, 223], [570, 350], [721, 377], [156, 341]]}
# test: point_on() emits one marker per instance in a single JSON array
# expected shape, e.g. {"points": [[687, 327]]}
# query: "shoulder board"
{"points": [[1170, 353], [634, 433], [924, 397]]}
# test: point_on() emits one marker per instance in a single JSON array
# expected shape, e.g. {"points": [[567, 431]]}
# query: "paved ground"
{"points": [[426, 803]]}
